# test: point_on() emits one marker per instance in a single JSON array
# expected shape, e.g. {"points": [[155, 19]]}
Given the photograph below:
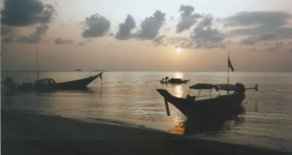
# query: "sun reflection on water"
{"points": [[178, 75], [179, 128], [178, 91]]}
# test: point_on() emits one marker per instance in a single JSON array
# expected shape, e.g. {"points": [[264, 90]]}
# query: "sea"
{"points": [[131, 99]]}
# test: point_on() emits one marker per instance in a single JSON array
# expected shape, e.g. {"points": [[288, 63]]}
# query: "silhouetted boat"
{"points": [[173, 81], [77, 84], [220, 105], [49, 84]]}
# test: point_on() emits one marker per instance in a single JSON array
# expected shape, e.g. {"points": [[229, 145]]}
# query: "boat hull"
{"points": [[49, 85], [75, 84], [223, 106]]}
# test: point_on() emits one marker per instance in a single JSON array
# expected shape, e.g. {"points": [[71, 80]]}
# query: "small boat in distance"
{"points": [[78, 70], [166, 80]]}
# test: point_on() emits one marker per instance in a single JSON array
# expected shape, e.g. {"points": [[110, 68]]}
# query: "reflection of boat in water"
{"points": [[208, 124], [48, 84], [166, 80]]}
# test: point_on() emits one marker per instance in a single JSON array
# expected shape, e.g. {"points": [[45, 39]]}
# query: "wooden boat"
{"points": [[220, 105], [173, 81], [48, 84], [77, 84]]}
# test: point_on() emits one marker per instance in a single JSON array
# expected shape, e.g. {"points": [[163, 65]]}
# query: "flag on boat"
{"points": [[230, 65]]}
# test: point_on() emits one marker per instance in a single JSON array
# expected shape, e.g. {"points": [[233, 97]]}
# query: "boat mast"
{"points": [[228, 67], [37, 61], [228, 70]]}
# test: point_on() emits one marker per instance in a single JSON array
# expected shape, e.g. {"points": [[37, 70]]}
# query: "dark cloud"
{"points": [[8, 34], [159, 40], [34, 37], [249, 41], [63, 41], [150, 26], [270, 19], [268, 37], [97, 26], [205, 36], [125, 28], [260, 26], [255, 39], [187, 19], [26, 12]]}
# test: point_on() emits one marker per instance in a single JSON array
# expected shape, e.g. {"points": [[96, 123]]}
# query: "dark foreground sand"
{"points": [[33, 134]]}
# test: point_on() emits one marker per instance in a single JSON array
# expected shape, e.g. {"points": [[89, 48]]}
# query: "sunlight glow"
{"points": [[178, 50]]}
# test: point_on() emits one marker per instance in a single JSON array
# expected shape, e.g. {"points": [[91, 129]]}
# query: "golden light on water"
{"points": [[178, 91], [179, 128], [178, 75]]}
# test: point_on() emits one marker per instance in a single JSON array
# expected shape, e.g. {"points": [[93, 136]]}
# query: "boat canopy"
{"points": [[227, 87], [203, 86]]}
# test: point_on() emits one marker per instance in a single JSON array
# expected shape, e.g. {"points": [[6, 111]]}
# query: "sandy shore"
{"points": [[33, 134]]}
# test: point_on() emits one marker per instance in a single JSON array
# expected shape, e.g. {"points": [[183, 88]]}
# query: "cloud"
{"points": [[260, 26], [205, 36], [83, 43], [159, 40], [187, 19], [26, 12], [63, 41], [125, 28], [97, 26], [7, 34], [150, 26], [270, 19], [255, 39], [249, 41], [34, 37], [10, 34], [277, 46]]}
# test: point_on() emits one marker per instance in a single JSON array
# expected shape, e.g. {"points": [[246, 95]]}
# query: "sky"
{"points": [[152, 35]]}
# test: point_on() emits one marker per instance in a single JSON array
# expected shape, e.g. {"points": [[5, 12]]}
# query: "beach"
{"points": [[31, 134]]}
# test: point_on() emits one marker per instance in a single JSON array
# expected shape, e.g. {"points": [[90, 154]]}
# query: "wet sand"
{"points": [[34, 134]]}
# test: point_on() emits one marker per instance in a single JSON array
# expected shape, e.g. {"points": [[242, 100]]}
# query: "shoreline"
{"points": [[28, 133]]}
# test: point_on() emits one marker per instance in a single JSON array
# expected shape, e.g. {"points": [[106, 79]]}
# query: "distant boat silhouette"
{"points": [[173, 81], [78, 70]]}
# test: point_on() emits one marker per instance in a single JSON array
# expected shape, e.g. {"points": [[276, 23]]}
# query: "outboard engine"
{"points": [[240, 88]]}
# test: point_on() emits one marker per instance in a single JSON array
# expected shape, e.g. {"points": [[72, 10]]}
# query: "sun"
{"points": [[178, 50]]}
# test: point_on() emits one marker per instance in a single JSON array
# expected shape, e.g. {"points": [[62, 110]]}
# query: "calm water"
{"points": [[130, 98]]}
